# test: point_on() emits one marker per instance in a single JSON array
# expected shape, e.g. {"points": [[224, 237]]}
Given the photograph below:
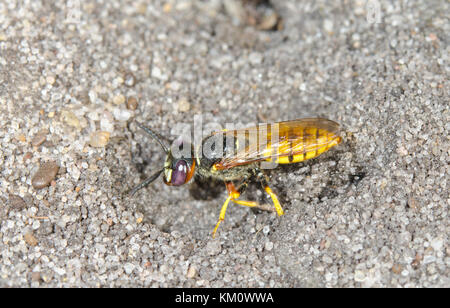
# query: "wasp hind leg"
{"points": [[262, 178]]}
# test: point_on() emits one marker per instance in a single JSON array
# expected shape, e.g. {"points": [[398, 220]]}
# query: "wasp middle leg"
{"points": [[236, 192]]}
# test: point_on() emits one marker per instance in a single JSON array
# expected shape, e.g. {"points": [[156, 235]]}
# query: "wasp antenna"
{"points": [[154, 136], [146, 182]]}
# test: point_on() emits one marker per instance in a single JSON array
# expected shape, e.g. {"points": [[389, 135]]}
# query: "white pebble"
{"points": [[36, 225], [106, 125], [268, 246], [128, 268], [121, 114]]}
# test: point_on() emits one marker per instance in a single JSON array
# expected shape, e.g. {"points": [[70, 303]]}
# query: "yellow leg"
{"points": [[232, 191], [222, 214], [233, 194], [264, 207], [245, 203], [275, 201]]}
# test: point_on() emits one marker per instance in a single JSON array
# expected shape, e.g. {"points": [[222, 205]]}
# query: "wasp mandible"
{"points": [[240, 160]]}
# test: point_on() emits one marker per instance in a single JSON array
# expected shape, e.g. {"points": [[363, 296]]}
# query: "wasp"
{"points": [[235, 158]]}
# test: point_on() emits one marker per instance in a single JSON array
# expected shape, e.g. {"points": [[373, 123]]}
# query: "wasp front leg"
{"points": [[222, 214]]}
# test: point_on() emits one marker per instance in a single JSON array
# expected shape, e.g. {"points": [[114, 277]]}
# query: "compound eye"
{"points": [[179, 173]]}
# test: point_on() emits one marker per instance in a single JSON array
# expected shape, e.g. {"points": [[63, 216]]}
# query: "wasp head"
{"points": [[179, 168]]}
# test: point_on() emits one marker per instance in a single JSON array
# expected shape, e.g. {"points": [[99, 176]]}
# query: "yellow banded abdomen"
{"points": [[302, 144]]}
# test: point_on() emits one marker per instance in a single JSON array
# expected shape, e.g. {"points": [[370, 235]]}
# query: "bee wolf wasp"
{"points": [[293, 141]]}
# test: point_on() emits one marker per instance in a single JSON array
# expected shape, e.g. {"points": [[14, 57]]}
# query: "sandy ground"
{"points": [[371, 212]]}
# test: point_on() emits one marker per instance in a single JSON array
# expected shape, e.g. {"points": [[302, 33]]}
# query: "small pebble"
{"points": [[99, 139], [213, 248], [130, 80], [396, 269], [158, 74], [416, 262], [132, 103], [106, 124], [27, 156], [35, 276], [175, 86], [50, 80], [268, 22], [128, 267], [268, 246], [45, 175], [328, 25], [167, 7], [30, 239], [21, 138], [236, 10], [191, 272], [183, 105], [121, 114], [39, 138], [70, 118], [16, 202], [359, 276], [119, 99]]}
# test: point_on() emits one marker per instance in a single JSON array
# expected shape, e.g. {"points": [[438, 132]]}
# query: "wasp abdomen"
{"points": [[303, 144]]}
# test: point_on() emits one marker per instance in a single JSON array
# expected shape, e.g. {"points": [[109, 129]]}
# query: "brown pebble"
{"points": [[45, 175], [21, 138], [132, 103], [268, 22], [39, 138], [48, 144], [396, 268], [416, 262], [16, 202], [36, 276], [30, 239], [167, 7], [27, 156]]}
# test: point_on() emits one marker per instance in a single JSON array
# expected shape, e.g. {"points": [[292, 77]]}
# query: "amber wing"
{"points": [[283, 142]]}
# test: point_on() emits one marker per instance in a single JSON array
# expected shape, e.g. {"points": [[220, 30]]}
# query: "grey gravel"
{"points": [[372, 212]]}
